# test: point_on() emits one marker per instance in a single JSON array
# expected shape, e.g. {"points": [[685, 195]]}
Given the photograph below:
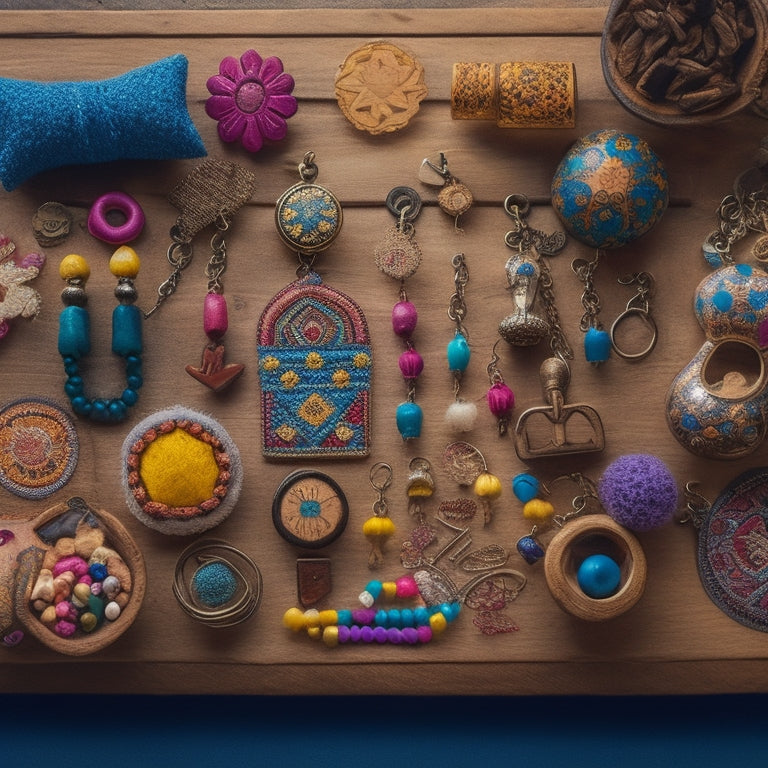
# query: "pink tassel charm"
{"points": [[501, 399]]}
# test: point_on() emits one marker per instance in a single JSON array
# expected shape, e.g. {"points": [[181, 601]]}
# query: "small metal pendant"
{"points": [[308, 216], [455, 198]]}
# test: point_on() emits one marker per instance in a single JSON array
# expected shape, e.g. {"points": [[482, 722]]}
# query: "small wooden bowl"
{"points": [[33, 549], [589, 535], [750, 74]]}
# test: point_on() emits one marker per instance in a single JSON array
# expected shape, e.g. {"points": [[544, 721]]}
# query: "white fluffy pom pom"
{"points": [[461, 416]]}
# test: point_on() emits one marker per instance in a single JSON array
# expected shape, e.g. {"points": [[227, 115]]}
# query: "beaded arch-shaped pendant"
{"points": [[315, 371]]}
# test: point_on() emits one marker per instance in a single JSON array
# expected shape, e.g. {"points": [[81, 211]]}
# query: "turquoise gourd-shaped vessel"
{"points": [[717, 406]]}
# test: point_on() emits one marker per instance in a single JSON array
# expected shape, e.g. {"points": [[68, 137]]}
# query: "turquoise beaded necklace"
{"points": [[74, 335]]}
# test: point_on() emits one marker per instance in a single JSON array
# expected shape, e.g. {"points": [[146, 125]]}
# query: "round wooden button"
{"points": [[310, 509], [584, 537]]}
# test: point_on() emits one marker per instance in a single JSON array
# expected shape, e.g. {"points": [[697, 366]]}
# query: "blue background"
{"points": [[397, 732]]}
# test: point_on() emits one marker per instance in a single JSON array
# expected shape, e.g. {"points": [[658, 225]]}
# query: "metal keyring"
{"points": [[650, 323], [404, 202]]}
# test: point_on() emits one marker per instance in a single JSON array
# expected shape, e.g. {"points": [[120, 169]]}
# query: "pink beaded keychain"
{"points": [[398, 257], [213, 372]]}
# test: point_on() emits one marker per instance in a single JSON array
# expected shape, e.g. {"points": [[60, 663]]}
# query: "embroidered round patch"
{"points": [[181, 471], [310, 509], [733, 550], [38, 447]]}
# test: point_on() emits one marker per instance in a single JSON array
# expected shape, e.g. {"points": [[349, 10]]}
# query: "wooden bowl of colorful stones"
{"points": [[685, 63], [80, 578]]}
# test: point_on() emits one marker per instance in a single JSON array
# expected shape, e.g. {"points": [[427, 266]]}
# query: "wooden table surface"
{"points": [[674, 641]]}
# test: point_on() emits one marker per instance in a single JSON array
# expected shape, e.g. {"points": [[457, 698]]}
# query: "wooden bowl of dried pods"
{"points": [[685, 62]]}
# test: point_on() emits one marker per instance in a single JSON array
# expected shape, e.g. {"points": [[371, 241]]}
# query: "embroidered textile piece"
{"points": [[733, 550], [38, 448], [315, 371]]}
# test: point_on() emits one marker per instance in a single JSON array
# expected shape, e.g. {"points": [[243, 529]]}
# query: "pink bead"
{"points": [[99, 226], [86, 578], [404, 317], [501, 399], [411, 364], [215, 319], [406, 586], [425, 633]]}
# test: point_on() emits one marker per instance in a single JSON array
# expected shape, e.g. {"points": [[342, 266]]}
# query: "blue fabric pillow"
{"points": [[140, 115]]}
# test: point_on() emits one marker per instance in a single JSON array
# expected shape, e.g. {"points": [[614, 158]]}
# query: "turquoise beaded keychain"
{"points": [[74, 335]]}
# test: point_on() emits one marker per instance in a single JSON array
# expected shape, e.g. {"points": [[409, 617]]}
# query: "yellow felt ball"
{"points": [[331, 636], [74, 267], [378, 527], [538, 510], [125, 262], [389, 590], [487, 486], [293, 619], [179, 470], [328, 617]]}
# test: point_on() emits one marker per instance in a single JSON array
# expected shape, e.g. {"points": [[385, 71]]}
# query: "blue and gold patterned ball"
{"points": [[609, 189]]}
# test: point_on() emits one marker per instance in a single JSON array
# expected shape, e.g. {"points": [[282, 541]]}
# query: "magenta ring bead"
{"points": [[100, 228]]}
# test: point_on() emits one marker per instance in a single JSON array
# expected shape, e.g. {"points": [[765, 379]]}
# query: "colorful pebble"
{"points": [[598, 576]]}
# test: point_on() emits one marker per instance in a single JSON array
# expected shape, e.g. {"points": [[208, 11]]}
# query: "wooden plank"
{"points": [[306, 24], [674, 640]]}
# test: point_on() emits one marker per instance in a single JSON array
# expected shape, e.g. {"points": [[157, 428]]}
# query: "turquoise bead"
{"points": [[117, 410], [458, 353], [598, 576], [597, 345], [373, 588], [525, 487], [381, 619], [344, 617], [74, 332], [74, 386], [130, 397], [409, 418], [126, 330], [81, 405], [421, 616], [406, 617], [394, 618]]}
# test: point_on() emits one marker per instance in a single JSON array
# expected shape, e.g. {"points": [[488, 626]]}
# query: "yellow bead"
{"points": [[375, 527], [389, 590], [314, 632], [538, 510], [125, 262], [328, 617], [438, 623], [331, 636], [293, 618], [74, 267]]}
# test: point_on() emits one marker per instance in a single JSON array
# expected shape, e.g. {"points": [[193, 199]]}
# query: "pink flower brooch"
{"points": [[251, 99]]}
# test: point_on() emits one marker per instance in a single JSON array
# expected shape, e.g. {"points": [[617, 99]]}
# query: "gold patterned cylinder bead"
{"points": [[537, 94], [473, 91]]}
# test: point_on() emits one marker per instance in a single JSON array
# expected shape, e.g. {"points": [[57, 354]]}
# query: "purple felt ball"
{"points": [[638, 491]]}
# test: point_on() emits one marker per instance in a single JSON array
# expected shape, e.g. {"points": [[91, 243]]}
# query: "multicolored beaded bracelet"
{"points": [[408, 625]]}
